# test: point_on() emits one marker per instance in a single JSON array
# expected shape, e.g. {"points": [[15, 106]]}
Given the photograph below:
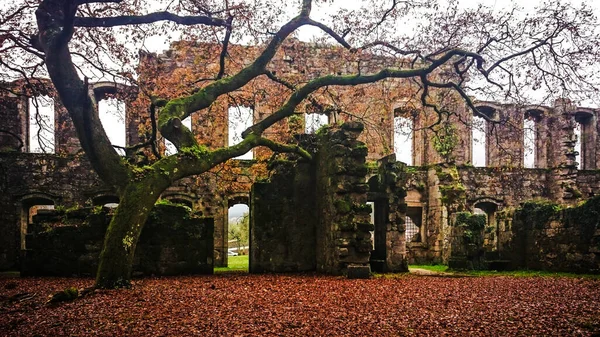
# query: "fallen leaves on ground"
{"points": [[305, 305]]}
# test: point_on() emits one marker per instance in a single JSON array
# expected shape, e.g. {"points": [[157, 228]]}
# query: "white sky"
{"points": [[312, 122], [237, 211]]}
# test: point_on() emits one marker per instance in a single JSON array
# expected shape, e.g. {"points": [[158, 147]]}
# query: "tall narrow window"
{"points": [[403, 139], [41, 124], [587, 135], [578, 147], [529, 141], [240, 118], [112, 116], [479, 141], [312, 122], [170, 147]]}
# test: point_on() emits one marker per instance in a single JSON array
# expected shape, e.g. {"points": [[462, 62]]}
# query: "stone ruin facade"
{"points": [[355, 208]]}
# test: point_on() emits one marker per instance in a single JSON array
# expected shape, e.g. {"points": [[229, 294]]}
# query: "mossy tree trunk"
{"points": [[122, 235]]}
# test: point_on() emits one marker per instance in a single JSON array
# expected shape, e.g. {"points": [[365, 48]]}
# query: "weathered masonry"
{"points": [[506, 192]]}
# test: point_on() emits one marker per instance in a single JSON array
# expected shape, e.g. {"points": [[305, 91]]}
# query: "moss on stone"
{"points": [[452, 194], [342, 206], [538, 213]]}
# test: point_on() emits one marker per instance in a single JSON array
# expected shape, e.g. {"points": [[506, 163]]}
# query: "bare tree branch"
{"points": [[149, 18]]}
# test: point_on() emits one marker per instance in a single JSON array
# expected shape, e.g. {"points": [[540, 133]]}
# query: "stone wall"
{"points": [[546, 236], [68, 181], [173, 242], [315, 216], [283, 220], [446, 190], [344, 230], [387, 192], [27, 180]]}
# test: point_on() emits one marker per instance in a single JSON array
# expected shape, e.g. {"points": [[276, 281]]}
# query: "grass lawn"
{"points": [[235, 264], [240, 264], [436, 267], [512, 273]]}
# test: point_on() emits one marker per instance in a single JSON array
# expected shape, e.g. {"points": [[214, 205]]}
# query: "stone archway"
{"points": [[489, 207], [29, 205]]}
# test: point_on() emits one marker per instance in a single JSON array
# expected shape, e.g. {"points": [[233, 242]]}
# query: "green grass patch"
{"points": [[440, 268], [511, 273], [527, 273], [235, 264]]}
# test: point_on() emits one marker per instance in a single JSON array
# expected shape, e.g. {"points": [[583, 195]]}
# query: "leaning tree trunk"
{"points": [[120, 241]]}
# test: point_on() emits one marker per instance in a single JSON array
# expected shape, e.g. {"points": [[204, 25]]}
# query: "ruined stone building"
{"points": [[535, 178]]}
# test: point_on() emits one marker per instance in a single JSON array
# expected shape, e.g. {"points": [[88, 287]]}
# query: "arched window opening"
{"points": [[586, 140], [170, 147], [479, 131], [30, 208], [479, 141], [112, 116], [413, 221], [403, 139], [108, 201], [314, 121], [41, 124], [238, 234], [104, 200], [239, 119], [490, 234]]}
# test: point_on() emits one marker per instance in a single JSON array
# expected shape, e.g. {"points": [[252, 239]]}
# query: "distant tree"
{"points": [[468, 52], [239, 231]]}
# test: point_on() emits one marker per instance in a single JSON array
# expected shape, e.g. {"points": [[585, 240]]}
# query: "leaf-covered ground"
{"points": [[306, 305]]}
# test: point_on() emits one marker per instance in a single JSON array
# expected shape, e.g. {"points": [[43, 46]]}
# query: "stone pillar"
{"points": [[393, 176], [65, 136], [343, 229], [505, 139], [562, 156]]}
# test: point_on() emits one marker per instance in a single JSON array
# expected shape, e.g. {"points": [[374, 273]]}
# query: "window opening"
{"points": [[372, 221], [41, 124], [314, 121], [238, 236], [239, 119], [529, 140], [413, 224], [403, 139], [479, 141], [112, 116], [578, 148]]}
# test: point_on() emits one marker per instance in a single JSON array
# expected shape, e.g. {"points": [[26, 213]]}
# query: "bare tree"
{"points": [[470, 52]]}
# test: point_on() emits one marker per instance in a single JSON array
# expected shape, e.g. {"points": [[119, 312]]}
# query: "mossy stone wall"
{"points": [[283, 220], [173, 242], [344, 228], [549, 237]]}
